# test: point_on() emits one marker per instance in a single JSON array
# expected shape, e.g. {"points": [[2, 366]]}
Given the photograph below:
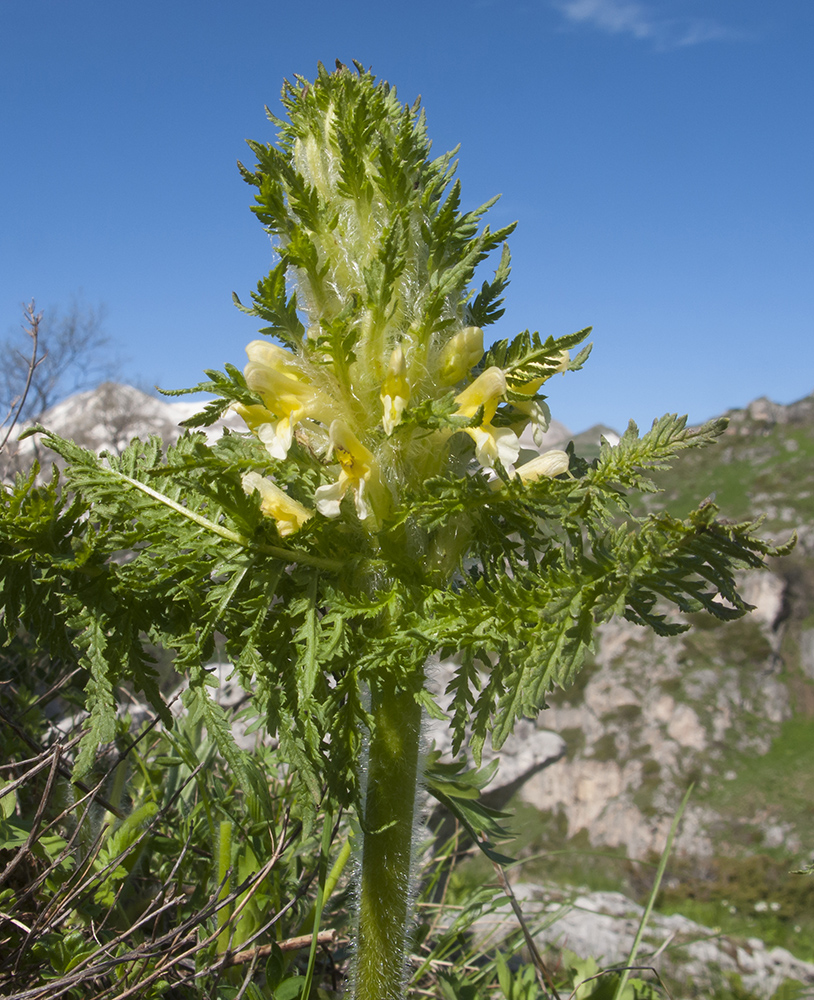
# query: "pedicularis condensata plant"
{"points": [[376, 512]]}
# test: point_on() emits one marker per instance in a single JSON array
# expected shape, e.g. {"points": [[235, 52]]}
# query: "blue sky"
{"points": [[658, 154]]}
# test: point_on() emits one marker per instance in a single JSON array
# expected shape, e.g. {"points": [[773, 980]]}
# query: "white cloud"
{"points": [[614, 16], [644, 22]]}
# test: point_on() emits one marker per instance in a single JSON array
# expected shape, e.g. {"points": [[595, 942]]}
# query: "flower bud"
{"points": [[460, 355]]}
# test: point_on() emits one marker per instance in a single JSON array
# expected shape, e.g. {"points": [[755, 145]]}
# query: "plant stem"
{"points": [[385, 891], [224, 868], [665, 854]]}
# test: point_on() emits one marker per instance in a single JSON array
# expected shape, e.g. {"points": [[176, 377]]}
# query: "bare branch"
{"points": [[17, 405]]}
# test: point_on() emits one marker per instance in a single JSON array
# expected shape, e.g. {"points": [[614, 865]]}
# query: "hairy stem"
{"points": [[385, 891]]}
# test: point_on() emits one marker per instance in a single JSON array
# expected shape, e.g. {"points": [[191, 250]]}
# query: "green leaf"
{"points": [[289, 988], [458, 789], [527, 357]]}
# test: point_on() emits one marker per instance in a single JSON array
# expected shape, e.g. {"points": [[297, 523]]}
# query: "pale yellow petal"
{"points": [[263, 352], [253, 416], [354, 458], [395, 393], [393, 407], [360, 499], [329, 497], [277, 436], [551, 463], [539, 416], [487, 390], [281, 393], [493, 444]]}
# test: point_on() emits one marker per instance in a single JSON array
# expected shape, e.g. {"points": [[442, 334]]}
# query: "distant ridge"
{"points": [[107, 417]]}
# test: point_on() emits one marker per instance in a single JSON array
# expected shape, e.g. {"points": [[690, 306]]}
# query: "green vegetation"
{"points": [[779, 782], [160, 843], [762, 465], [750, 895]]}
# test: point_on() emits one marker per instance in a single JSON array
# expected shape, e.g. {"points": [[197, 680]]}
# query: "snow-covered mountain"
{"points": [[106, 419]]}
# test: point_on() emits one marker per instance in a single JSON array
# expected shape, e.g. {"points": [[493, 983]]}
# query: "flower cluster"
{"points": [[296, 393]]}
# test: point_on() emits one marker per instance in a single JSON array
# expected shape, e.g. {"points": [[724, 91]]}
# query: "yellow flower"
{"points": [[491, 443], [395, 394], [551, 463], [460, 354], [289, 514], [356, 465], [277, 377]]}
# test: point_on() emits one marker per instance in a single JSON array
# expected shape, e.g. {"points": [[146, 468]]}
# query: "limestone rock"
{"points": [[653, 715], [603, 925]]}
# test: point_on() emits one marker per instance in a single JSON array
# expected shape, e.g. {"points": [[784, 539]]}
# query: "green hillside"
{"points": [[764, 464], [727, 707]]}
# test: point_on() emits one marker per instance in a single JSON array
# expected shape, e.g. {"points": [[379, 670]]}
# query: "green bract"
{"points": [[371, 517]]}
